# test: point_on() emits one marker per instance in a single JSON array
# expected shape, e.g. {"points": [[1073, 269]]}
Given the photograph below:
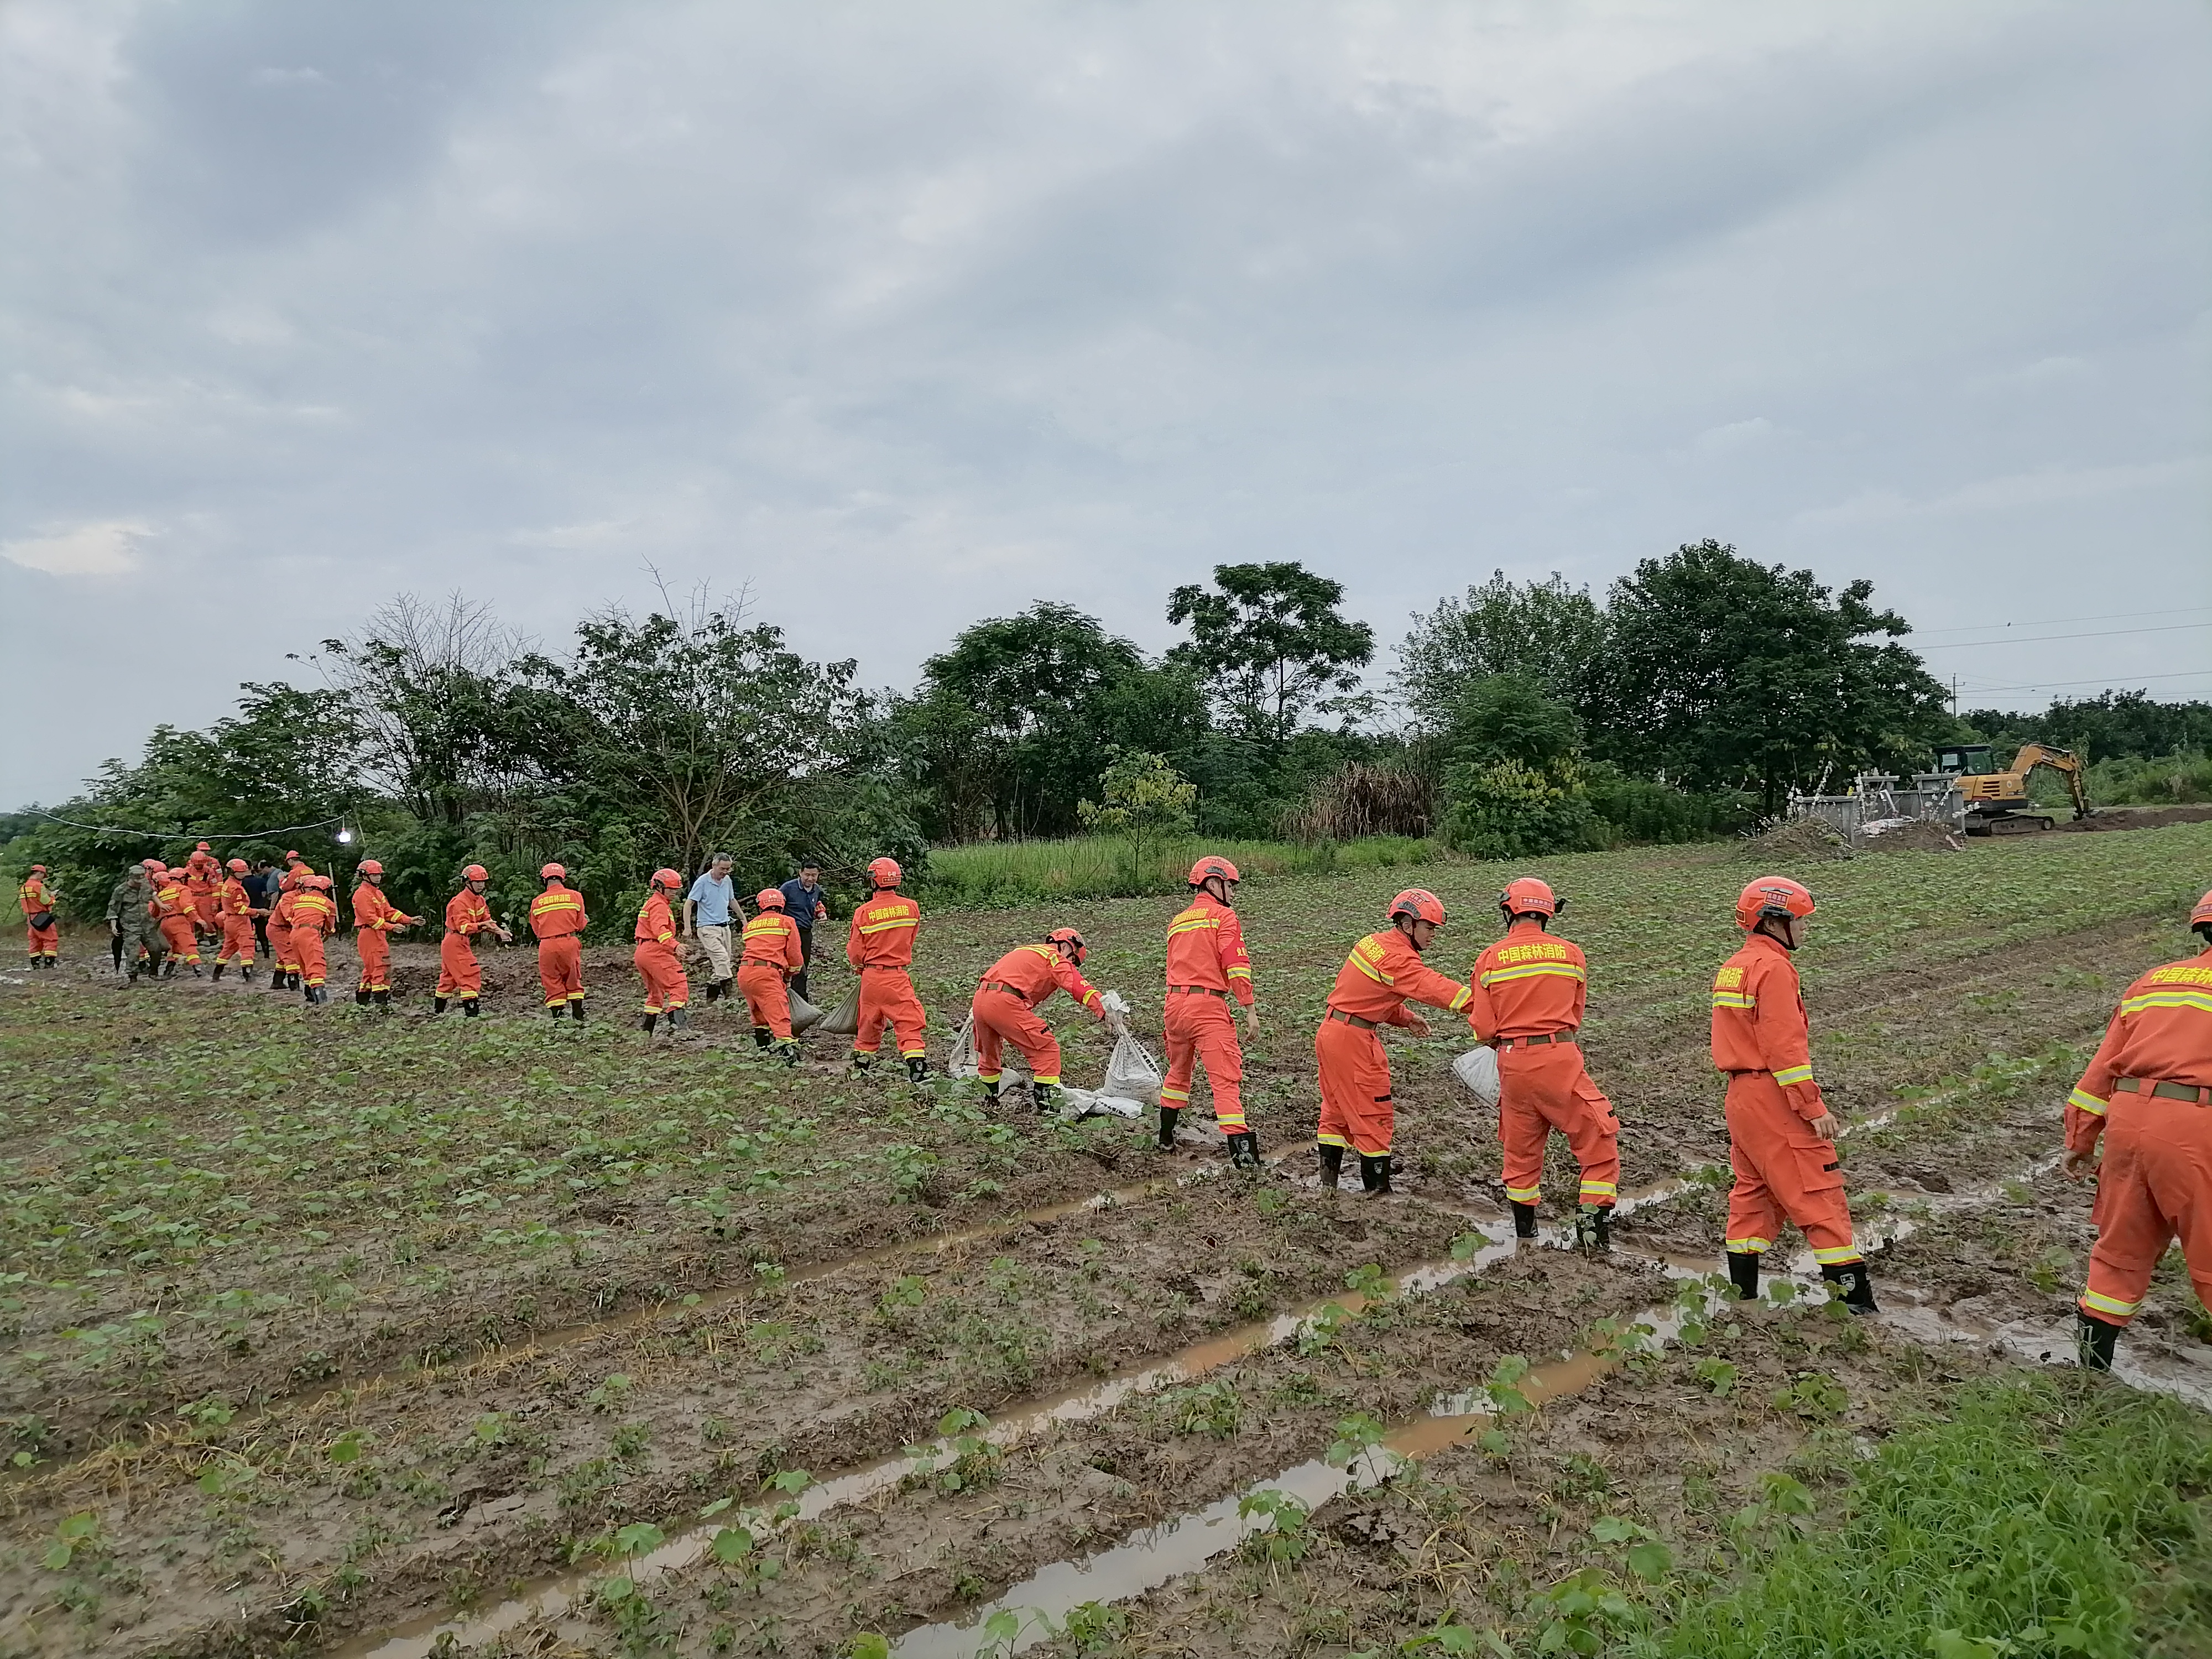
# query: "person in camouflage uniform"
{"points": [[131, 925]]}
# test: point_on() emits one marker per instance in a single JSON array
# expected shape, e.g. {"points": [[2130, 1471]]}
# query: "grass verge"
{"points": [[2042, 1516], [1010, 873]]}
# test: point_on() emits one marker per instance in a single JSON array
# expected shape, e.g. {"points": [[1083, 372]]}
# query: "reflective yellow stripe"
{"points": [[1193, 924], [1175, 1095], [1790, 1074], [1837, 1257], [1238, 971], [1466, 995], [1524, 1195], [884, 926], [1747, 1246], [1328, 1139], [2087, 1102], [2103, 1304], [1606, 1188], [2200, 1000], [1734, 999], [1375, 974], [1563, 969]]}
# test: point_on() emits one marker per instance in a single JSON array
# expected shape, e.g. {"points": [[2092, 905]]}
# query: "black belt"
{"points": [[1351, 1019], [2188, 1092], [1196, 991], [1535, 1041], [1019, 996]]}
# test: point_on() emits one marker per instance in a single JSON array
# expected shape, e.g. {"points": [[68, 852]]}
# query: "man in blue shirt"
{"points": [[803, 902], [709, 909]]}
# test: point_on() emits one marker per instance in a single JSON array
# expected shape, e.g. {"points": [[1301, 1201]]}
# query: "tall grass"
{"points": [[2042, 1517], [1012, 872]]}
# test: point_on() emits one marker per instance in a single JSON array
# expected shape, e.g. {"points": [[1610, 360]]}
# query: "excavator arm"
{"points": [[2062, 761]]}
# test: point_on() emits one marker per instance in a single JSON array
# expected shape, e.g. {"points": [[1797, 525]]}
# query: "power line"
{"points": [[178, 834], [2053, 621], [2054, 685], [2048, 639]]}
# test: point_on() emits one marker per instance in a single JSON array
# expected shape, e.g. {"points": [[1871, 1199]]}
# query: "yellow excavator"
{"points": [[1995, 800]]}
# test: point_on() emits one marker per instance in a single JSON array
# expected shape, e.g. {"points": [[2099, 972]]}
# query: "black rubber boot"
{"points": [[917, 1068], [679, 1020], [115, 954], [1046, 1097], [1743, 1273], [1168, 1116], [864, 1065], [1857, 1285], [469, 1007], [437, 1005], [649, 1023], [991, 1092], [576, 1011], [363, 998], [557, 1011], [383, 1000], [1524, 1221], [216, 978], [789, 1051], [1244, 1150], [197, 972], [245, 973], [169, 969], [762, 1036], [1375, 1176], [1331, 1167], [714, 990], [2094, 1339], [307, 995], [1594, 1227]]}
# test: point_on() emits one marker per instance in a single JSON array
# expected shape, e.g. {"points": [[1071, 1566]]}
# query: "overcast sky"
{"points": [[907, 315]]}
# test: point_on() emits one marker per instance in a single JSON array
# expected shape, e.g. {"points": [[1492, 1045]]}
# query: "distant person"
{"points": [[880, 949], [233, 911], [314, 918], [260, 885], [134, 934], [771, 960], [557, 916], [467, 917], [1004, 1011], [667, 988], [375, 919], [173, 904], [806, 904], [38, 900], [1206, 969], [706, 912]]}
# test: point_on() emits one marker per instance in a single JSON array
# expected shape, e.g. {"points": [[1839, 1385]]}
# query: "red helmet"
{"points": [[769, 898], [476, 872], [551, 871], [885, 873], [154, 866], [320, 883], [666, 877], [1419, 904], [238, 867], [1771, 895], [38, 869], [370, 867], [1211, 866], [201, 847], [1068, 936], [1525, 896], [2200, 917], [289, 856]]}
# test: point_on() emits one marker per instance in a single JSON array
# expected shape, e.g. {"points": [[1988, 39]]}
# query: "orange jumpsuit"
{"points": [[234, 911], [280, 930], [557, 916], [881, 947], [666, 989], [202, 877], [1531, 985], [314, 917], [2155, 1182], [375, 916], [1762, 1041], [460, 974], [1006, 1004], [1206, 966], [772, 956], [172, 903], [1382, 974], [38, 900]]}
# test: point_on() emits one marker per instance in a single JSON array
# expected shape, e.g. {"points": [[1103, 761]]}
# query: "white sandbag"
{"points": [[843, 1020], [1132, 1073], [1076, 1104], [1013, 1069], [804, 1016], [1478, 1069]]}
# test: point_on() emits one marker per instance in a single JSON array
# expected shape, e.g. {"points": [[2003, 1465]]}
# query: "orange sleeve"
{"points": [[1785, 1041], [1236, 961], [1481, 1011], [1077, 987]]}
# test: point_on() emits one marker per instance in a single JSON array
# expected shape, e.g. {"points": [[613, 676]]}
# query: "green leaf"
{"points": [[793, 1480], [732, 1545], [1003, 1625], [1651, 1561], [57, 1555], [638, 1538], [1612, 1529], [869, 1645], [715, 1508]]}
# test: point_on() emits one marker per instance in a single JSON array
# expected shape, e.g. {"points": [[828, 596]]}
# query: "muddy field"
{"points": [[332, 1332]]}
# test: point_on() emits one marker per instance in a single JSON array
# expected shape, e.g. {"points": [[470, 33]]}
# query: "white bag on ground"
{"points": [[1132, 1073], [1014, 1070], [804, 1016], [1478, 1069], [843, 1020]]}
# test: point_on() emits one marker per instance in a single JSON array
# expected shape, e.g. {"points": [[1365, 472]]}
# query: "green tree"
{"points": [[1271, 646], [1546, 632], [1720, 672], [1148, 802], [1514, 784]]}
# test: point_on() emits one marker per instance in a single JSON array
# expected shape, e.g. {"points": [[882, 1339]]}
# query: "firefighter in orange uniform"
{"points": [[2148, 1092], [202, 876], [1530, 991], [666, 989], [1782, 1137], [557, 916], [880, 947], [173, 904], [314, 918], [235, 915], [375, 919], [287, 976], [1382, 973], [467, 917], [1004, 1011], [38, 900], [1207, 967], [771, 959]]}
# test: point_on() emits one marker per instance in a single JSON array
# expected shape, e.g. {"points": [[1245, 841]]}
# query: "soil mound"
{"points": [[1794, 840], [1922, 836], [2138, 817]]}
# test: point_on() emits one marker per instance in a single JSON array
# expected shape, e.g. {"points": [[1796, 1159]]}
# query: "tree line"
{"points": [[1521, 718]]}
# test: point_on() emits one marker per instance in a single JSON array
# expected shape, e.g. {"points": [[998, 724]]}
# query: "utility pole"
{"points": [[1954, 696]]}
